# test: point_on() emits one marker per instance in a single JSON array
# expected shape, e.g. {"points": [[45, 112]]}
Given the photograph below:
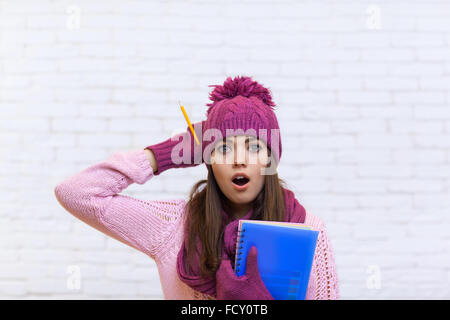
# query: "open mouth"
{"points": [[240, 181]]}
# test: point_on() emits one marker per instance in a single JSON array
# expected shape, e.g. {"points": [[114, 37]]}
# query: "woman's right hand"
{"points": [[182, 142]]}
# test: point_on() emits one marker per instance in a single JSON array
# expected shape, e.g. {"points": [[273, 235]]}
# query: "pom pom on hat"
{"points": [[240, 86]]}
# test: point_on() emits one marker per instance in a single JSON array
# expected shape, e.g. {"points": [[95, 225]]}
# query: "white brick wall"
{"points": [[363, 98]]}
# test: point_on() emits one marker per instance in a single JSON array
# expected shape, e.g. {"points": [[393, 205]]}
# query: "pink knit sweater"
{"points": [[156, 227]]}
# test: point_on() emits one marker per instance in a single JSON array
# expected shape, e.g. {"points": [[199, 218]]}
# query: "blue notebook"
{"points": [[285, 255]]}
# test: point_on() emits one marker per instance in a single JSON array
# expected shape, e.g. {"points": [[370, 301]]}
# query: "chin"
{"points": [[242, 199]]}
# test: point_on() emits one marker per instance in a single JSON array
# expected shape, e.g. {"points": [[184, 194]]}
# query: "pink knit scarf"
{"points": [[295, 212]]}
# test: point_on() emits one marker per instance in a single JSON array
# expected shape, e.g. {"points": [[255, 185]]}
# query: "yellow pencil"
{"points": [[189, 123]]}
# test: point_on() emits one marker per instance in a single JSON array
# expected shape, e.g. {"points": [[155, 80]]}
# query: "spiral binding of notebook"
{"points": [[239, 243]]}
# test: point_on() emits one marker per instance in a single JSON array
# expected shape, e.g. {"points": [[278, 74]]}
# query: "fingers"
{"points": [[252, 261], [226, 268], [196, 143]]}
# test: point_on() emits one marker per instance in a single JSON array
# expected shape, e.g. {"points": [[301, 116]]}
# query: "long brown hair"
{"points": [[204, 219]]}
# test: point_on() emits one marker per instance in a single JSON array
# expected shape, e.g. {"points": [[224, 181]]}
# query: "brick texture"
{"points": [[363, 102]]}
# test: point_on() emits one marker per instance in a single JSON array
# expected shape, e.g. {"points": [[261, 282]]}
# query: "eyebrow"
{"points": [[246, 140]]}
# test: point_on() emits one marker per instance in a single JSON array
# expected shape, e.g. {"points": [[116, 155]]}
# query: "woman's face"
{"points": [[244, 155]]}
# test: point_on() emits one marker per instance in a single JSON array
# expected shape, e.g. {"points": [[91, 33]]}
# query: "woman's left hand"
{"points": [[247, 287]]}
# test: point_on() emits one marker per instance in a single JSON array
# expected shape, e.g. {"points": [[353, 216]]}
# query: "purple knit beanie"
{"points": [[242, 106]]}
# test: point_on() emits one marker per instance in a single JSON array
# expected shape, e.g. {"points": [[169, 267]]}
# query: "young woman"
{"points": [[194, 242]]}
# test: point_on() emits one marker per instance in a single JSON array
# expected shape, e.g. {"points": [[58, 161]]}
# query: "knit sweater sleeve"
{"points": [[323, 283], [92, 196]]}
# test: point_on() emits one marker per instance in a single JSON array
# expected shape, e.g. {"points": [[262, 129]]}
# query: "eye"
{"points": [[220, 149], [256, 145]]}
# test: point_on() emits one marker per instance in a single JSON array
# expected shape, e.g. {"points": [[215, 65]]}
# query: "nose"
{"points": [[240, 154]]}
